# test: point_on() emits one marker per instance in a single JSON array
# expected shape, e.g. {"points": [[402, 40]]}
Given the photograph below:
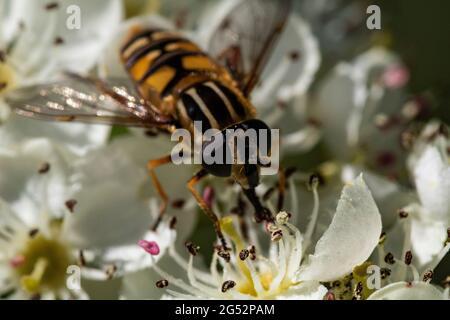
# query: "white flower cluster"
{"points": [[77, 206]]}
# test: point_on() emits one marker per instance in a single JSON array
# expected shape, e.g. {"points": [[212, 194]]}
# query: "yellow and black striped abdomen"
{"points": [[165, 64], [159, 60]]}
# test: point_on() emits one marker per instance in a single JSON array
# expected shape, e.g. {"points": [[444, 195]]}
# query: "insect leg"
{"points": [[211, 215], [151, 166]]}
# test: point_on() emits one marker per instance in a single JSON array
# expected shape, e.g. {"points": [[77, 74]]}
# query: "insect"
{"points": [[173, 83]]}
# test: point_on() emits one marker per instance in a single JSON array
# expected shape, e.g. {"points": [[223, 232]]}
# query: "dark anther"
{"points": [[111, 271], [192, 248], [225, 255], [70, 204], [277, 235], [294, 55], [427, 276], [243, 255], [385, 272], [358, 290], [3, 85], [173, 223], [161, 284], [58, 41], [382, 238], [315, 180], [178, 204], [408, 257], [402, 214], [389, 258], [51, 6], [252, 251], [227, 285], [33, 232], [44, 168], [81, 258]]}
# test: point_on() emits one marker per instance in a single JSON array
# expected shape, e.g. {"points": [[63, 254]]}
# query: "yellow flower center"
{"points": [[247, 284], [7, 78], [44, 265]]}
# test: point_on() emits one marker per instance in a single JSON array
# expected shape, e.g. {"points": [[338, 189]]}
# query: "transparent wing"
{"points": [[244, 40], [89, 100]]}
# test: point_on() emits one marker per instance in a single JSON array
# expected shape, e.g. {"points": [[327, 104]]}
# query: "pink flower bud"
{"points": [[149, 246]]}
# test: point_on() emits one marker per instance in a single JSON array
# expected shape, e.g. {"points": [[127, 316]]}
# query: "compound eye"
{"points": [[214, 157]]}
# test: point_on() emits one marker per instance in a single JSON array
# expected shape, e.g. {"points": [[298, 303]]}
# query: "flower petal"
{"points": [[110, 209], [131, 258], [350, 239], [79, 138], [310, 290], [432, 178], [34, 178], [405, 291], [78, 48]]}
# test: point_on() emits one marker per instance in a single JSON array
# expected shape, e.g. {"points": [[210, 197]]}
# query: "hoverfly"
{"points": [[173, 83]]}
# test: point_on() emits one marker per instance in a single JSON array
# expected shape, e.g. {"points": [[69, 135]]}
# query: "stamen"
{"points": [[161, 284], [52, 6], [32, 282], [81, 258], [358, 291], [225, 255], [428, 276], [111, 271], [314, 182], [178, 204], [33, 232], [193, 281], [277, 235], [408, 257], [385, 272], [173, 223], [44, 168], [70, 205], [382, 238], [192, 249], [403, 214], [244, 254], [227, 285], [58, 41], [252, 251], [149, 246], [389, 258]]}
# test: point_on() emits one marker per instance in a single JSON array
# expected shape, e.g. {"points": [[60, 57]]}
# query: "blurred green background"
{"points": [[421, 34]]}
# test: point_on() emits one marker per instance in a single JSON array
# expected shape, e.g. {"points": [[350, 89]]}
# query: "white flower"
{"points": [[410, 291], [430, 219], [59, 210], [359, 108], [37, 45], [248, 271]]}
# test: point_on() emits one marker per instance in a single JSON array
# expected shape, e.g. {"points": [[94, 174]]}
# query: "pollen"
{"points": [[43, 264]]}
